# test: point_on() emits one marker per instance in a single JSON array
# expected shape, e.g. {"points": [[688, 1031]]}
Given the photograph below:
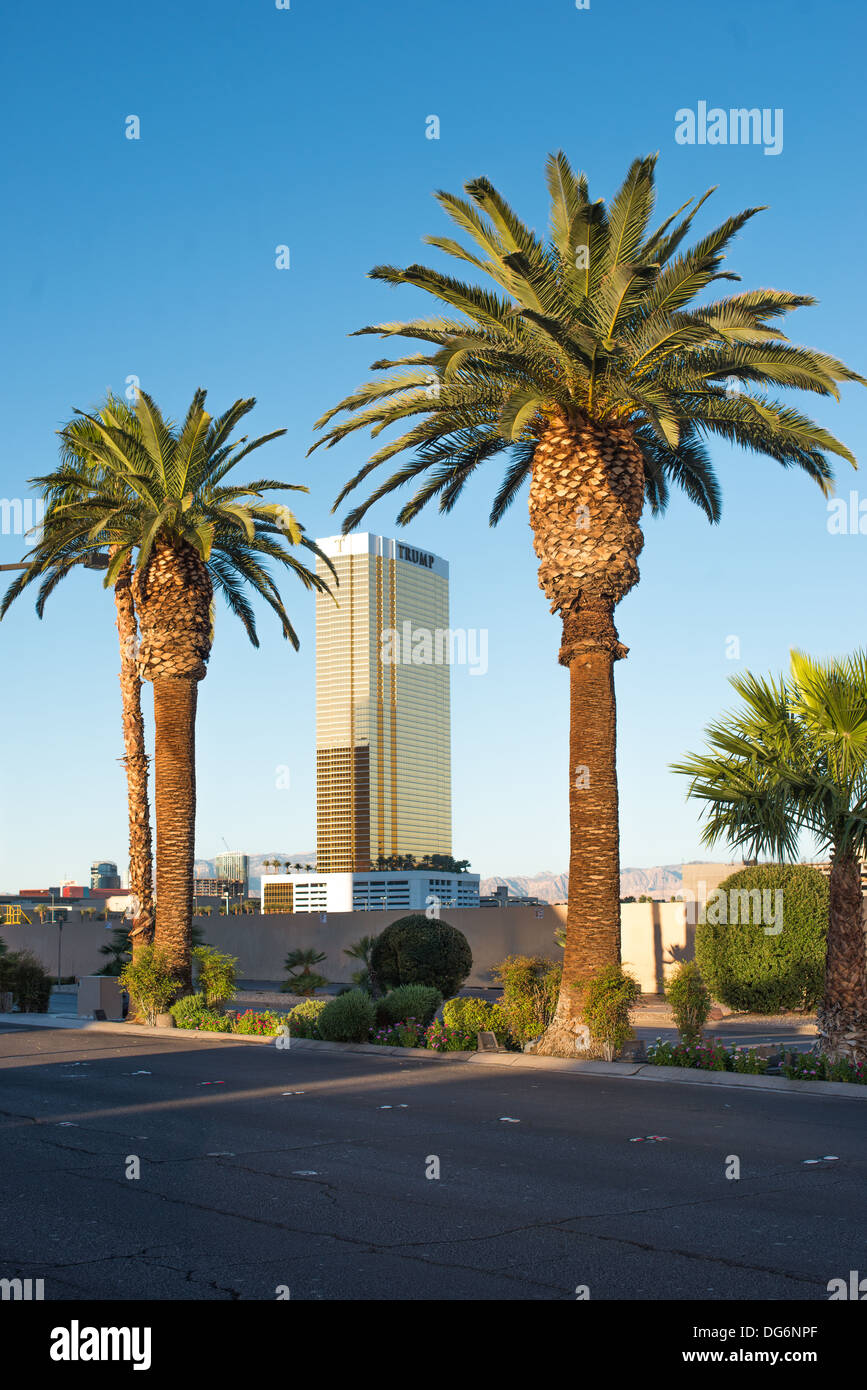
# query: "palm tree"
{"points": [[793, 758], [584, 365], [190, 532], [56, 553]]}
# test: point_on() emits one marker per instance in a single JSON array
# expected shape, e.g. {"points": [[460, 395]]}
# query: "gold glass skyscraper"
{"points": [[383, 738]]}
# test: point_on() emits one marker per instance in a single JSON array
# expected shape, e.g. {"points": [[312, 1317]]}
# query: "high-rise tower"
{"points": [[383, 744]]}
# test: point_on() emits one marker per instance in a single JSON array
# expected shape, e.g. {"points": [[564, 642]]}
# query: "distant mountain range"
{"points": [[661, 881], [551, 888]]}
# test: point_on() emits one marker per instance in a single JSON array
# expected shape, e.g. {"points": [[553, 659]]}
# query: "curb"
{"points": [[623, 1071]]}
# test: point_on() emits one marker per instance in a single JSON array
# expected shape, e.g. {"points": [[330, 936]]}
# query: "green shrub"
{"points": [[218, 975], [419, 1002], [188, 1012], [611, 992], [302, 1020], [472, 1016], [690, 1001], [416, 950], [348, 1018], [149, 981], [24, 976], [750, 970], [531, 985]]}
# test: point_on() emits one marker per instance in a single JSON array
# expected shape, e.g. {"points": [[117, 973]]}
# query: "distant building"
{"points": [[219, 888], [500, 898], [413, 890], [104, 874], [234, 866], [383, 733]]}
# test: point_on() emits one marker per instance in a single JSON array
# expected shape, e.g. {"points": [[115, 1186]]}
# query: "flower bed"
{"points": [[809, 1066], [706, 1057]]}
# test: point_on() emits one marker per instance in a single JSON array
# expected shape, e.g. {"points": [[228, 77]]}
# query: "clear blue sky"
{"points": [[306, 127]]}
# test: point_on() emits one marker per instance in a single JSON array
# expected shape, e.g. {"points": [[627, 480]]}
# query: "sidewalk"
{"points": [[623, 1071]]}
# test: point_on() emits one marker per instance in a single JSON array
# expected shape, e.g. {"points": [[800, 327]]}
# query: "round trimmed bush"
{"points": [[408, 1001], [415, 950], [748, 964], [348, 1018]]}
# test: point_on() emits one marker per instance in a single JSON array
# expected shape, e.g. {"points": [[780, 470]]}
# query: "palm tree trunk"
{"points": [[842, 1017], [175, 803], [590, 648], [135, 762]]}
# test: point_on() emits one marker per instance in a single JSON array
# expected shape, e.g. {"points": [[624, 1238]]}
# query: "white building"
{"points": [[410, 889]]}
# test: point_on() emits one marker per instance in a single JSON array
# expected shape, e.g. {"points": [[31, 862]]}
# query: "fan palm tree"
{"points": [[57, 553], [588, 365], [793, 759], [189, 533]]}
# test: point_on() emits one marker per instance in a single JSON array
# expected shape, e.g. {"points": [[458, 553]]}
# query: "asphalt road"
{"points": [[308, 1171]]}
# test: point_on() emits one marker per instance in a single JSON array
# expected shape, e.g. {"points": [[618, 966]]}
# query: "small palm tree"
{"points": [[587, 364], [362, 950], [793, 759], [189, 532], [301, 977], [118, 950]]}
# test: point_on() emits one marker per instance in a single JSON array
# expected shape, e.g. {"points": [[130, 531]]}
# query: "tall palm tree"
{"points": [[793, 759], [56, 553], [586, 367], [188, 532]]}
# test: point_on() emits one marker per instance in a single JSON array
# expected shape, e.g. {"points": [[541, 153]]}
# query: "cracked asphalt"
{"points": [[303, 1174]]}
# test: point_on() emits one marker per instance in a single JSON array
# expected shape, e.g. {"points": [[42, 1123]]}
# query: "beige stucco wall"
{"points": [[701, 879], [261, 943], [655, 937]]}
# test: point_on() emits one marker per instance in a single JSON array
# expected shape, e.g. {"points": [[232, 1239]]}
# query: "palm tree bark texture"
{"points": [[135, 762], [586, 498], [842, 1015]]}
